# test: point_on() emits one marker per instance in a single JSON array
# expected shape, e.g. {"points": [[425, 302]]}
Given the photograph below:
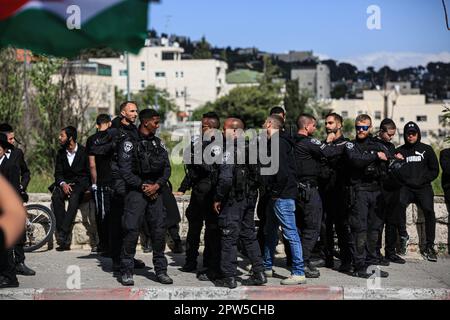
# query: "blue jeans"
{"points": [[283, 214]]}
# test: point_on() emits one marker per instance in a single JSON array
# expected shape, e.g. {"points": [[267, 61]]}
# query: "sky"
{"points": [[413, 32]]}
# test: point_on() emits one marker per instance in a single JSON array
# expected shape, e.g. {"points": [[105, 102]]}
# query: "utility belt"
{"points": [[306, 188], [350, 192]]}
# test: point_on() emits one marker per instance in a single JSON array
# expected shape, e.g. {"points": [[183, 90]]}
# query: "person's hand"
{"points": [[94, 187], [152, 188], [178, 193], [67, 188], [216, 207], [399, 156], [331, 137], [382, 156], [145, 189]]}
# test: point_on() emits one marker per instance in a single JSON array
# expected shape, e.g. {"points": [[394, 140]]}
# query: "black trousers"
{"points": [[366, 220], [236, 220], [336, 219], [102, 199], [19, 252], [7, 264], [391, 222], [200, 212], [424, 198], [115, 231], [65, 219], [261, 211], [309, 221], [140, 209]]}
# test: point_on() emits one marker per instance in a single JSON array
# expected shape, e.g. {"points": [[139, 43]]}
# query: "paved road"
{"points": [[96, 272]]}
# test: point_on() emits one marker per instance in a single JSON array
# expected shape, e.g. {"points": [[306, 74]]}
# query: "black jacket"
{"points": [[17, 157], [11, 173], [130, 169], [283, 184], [445, 165], [421, 166], [363, 164], [308, 154], [78, 173]]}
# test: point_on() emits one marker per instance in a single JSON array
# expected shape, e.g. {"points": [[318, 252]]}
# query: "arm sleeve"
{"points": [[225, 182], [24, 171], [162, 181], [433, 166], [359, 159], [185, 184], [125, 163], [445, 161], [281, 178], [59, 173]]}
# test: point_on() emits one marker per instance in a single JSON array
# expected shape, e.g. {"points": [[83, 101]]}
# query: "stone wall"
{"points": [[84, 228]]}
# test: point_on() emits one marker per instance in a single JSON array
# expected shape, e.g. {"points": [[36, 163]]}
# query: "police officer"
{"points": [[17, 157], [391, 194], [444, 159], [234, 202], [145, 167], [308, 153], [365, 200], [201, 177], [107, 146], [332, 186]]}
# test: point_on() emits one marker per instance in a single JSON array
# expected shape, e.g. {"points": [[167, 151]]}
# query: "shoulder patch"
{"points": [[316, 142], [127, 146], [349, 145], [162, 145]]}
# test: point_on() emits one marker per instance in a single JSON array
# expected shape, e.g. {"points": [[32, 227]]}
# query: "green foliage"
{"points": [[202, 50], [150, 96]]}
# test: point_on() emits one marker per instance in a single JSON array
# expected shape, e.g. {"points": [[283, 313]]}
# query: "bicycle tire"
{"points": [[49, 233]]}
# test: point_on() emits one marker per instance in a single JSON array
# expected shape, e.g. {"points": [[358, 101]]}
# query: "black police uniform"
{"points": [[365, 200], [391, 193], [144, 161], [332, 182], [202, 179], [110, 144], [308, 153], [237, 192]]}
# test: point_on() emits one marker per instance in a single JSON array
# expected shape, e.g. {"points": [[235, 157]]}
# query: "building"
{"points": [[242, 78], [94, 88], [295, 56], [190, 83], [401, 109], [315, 79], [404, 87]]}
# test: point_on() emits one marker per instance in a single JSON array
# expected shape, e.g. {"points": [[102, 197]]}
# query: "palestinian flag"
{"points": [[51, 26]]}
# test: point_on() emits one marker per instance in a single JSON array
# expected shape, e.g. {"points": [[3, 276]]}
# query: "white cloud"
{"points": [[396, 60]]}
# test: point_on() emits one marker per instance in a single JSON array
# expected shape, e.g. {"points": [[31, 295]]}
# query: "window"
{"points": [[168, 56], [344, 114], [182, 74], [142, 84], [160, 74], [377, 115], [424, 134], [142, 66], [360, 112], [402, 119], [122, 73], [421, 118], [176, 74], [441, 120]]}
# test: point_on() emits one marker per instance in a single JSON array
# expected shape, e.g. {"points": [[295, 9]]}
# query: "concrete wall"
{"points": [[83, 234]]}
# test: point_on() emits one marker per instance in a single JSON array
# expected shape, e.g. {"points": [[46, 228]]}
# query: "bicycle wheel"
{"points": [[40, 226]]}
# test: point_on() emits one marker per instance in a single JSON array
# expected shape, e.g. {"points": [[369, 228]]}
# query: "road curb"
{"points": [[241, 293]]}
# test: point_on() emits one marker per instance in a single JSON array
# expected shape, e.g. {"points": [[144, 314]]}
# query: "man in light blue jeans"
{"points": [[283, 214], [281, 208]]}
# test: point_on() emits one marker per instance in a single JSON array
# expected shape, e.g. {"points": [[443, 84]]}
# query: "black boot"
{"points": [[164, 278], [6, 282], [24, 270], [256, 279], [127, 279], [229, 282], [189, 266], [311, 271]]}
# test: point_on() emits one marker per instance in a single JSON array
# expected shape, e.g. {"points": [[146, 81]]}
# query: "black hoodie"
{"points": [[421, 166]]}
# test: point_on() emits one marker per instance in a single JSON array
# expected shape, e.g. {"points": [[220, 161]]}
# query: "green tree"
{"points": [[152, 97], [202, 50]]}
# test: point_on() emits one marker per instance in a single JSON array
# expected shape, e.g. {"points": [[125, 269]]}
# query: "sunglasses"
{"points": [[363, 128], [412, 133]]}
